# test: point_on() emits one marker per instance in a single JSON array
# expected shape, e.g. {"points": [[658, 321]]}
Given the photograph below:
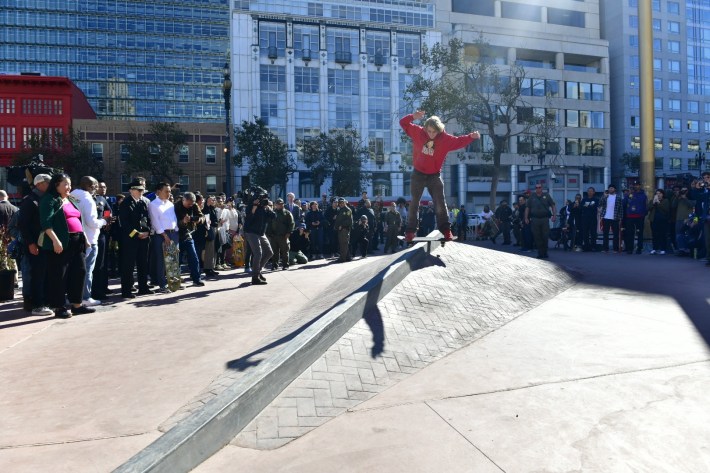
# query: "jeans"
{"points": [[613, 225], [435, 185], [90, 259], [188, 247], [68, 271], [261, 252], [633, 228]]}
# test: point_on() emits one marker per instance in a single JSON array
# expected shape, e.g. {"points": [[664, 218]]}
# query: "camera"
{"points": [[254, 195], [703, 184]]}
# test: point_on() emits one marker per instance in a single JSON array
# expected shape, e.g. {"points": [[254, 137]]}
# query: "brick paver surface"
{"points": [[433, 312]]}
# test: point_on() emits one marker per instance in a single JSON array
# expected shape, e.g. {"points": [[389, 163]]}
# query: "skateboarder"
{"points": [[430, 146]]}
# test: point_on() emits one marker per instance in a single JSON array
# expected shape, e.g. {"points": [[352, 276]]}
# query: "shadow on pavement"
{"points": [[373, 319]]}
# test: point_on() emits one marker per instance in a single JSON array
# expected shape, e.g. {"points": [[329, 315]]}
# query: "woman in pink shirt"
{"points": [[64, 246], [430, 146]]}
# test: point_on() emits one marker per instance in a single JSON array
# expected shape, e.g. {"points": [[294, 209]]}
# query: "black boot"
{"points": [[256, 281]]}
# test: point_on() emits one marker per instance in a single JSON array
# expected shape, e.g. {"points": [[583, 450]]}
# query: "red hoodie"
{"points": [[429, 155]]}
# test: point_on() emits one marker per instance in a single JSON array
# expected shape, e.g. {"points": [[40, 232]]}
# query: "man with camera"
{"points": [[701, 195], [259, 212], [189, 215]]}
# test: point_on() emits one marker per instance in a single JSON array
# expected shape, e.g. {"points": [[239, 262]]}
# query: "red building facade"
{"points": [[36, 106]]}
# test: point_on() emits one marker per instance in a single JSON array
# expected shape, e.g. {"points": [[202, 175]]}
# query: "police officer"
{"points": [[343, 224], [135, 233], [278, 230]]}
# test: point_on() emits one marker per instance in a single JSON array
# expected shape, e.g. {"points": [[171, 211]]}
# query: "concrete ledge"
{"points": [[205, 432]]}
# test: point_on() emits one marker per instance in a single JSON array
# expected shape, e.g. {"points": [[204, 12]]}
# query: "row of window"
{"points": [[46, 107], [674, 144], [673, 65], [672, 124], [672, 46], [48, 137], [7, 106], [343, 43], [671, 7], [97, 151], [672, 27], [212, 10], [672, 105], [520, 11]]}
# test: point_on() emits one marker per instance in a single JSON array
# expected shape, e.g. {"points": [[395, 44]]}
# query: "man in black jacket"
{"points": [[189, 216], [135, 229], [33, 261], [278, 230], [503, 215], [258, 215]]}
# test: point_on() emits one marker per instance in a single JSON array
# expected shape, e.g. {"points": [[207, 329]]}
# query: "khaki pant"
{"points": [[344, 243]]}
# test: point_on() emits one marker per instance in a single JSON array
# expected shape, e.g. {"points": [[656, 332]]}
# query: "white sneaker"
{"points": [[652, 252], [661, 252], [42, 311], [91, 302]]}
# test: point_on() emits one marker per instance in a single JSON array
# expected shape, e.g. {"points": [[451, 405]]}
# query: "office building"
{"points": [[681, 84], [134, 60]]}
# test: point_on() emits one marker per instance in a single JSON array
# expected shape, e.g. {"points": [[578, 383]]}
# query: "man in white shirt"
{"points": [[92, 224], [611, 212], [165, 230]]}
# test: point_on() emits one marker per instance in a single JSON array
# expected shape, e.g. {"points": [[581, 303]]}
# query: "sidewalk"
{"points": [[609, 375], [85, 394]]}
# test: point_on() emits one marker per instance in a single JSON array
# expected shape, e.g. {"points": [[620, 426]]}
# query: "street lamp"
{"points": [[227, 91]]}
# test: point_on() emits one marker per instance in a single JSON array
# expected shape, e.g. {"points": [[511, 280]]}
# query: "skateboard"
{"points": [[428, 241], [238, 250], [171, 254]]}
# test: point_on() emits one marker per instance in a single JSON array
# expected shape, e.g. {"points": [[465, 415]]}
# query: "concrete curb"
{"points": [[205, 432]]}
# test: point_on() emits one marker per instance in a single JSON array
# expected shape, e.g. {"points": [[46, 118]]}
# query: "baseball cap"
{"points": [[41, 178]]}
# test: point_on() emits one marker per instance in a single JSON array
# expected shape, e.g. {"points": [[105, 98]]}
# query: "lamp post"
{"points": [[227, 91]]}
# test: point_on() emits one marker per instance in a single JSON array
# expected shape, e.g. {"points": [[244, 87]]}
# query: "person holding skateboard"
{"points": [[430, 145]]}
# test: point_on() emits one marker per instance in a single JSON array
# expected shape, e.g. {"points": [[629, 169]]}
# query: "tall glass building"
{"points": [[306, 66], [681, 82], [134, 60]]}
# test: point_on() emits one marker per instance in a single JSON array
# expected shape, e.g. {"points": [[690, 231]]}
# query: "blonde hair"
{"points": [[435, 123]]}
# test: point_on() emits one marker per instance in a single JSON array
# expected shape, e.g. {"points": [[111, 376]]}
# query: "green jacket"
{"points": [[344, 218], [51, 216], [282, 225], [393, 219]]}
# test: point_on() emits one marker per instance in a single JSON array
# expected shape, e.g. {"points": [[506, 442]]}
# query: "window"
{"points": [[552, 88], [558, 16], [154, 149], [307, 79], [635, 121], [184, 181], [538, 88], [572, 118], [657, 24], [7, 106], [674, 66], [658, 144], [675, 164], [520, 11], [656, 5], [634, 61], [635, 142], [272, 40], [674, 27], [673, 85], [658, 163], [125, 182], [674, 124], [585, 119], [693, 146], [657, 65], [305, 42], [657, 104], [674, 144], [210, 154], [479, 7], [634, 82], [657, 45], [378, 47], [598, 92], [674, 105], [693, 126], [658, 123], [673, 7], [657, 84], [674, 46], [97, 151], [184, 154], [692, 106], [571, 90], [7, 137], [585, 91], [125, 152], [633, 21], [633, 41], [634, 101], [210, 184], [597, 119]]}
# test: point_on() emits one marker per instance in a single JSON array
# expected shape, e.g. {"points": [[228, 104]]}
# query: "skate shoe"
{"points": [[448, 236]]}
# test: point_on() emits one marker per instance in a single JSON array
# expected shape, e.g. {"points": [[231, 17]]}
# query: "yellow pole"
{"points": [[647, 164]]}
